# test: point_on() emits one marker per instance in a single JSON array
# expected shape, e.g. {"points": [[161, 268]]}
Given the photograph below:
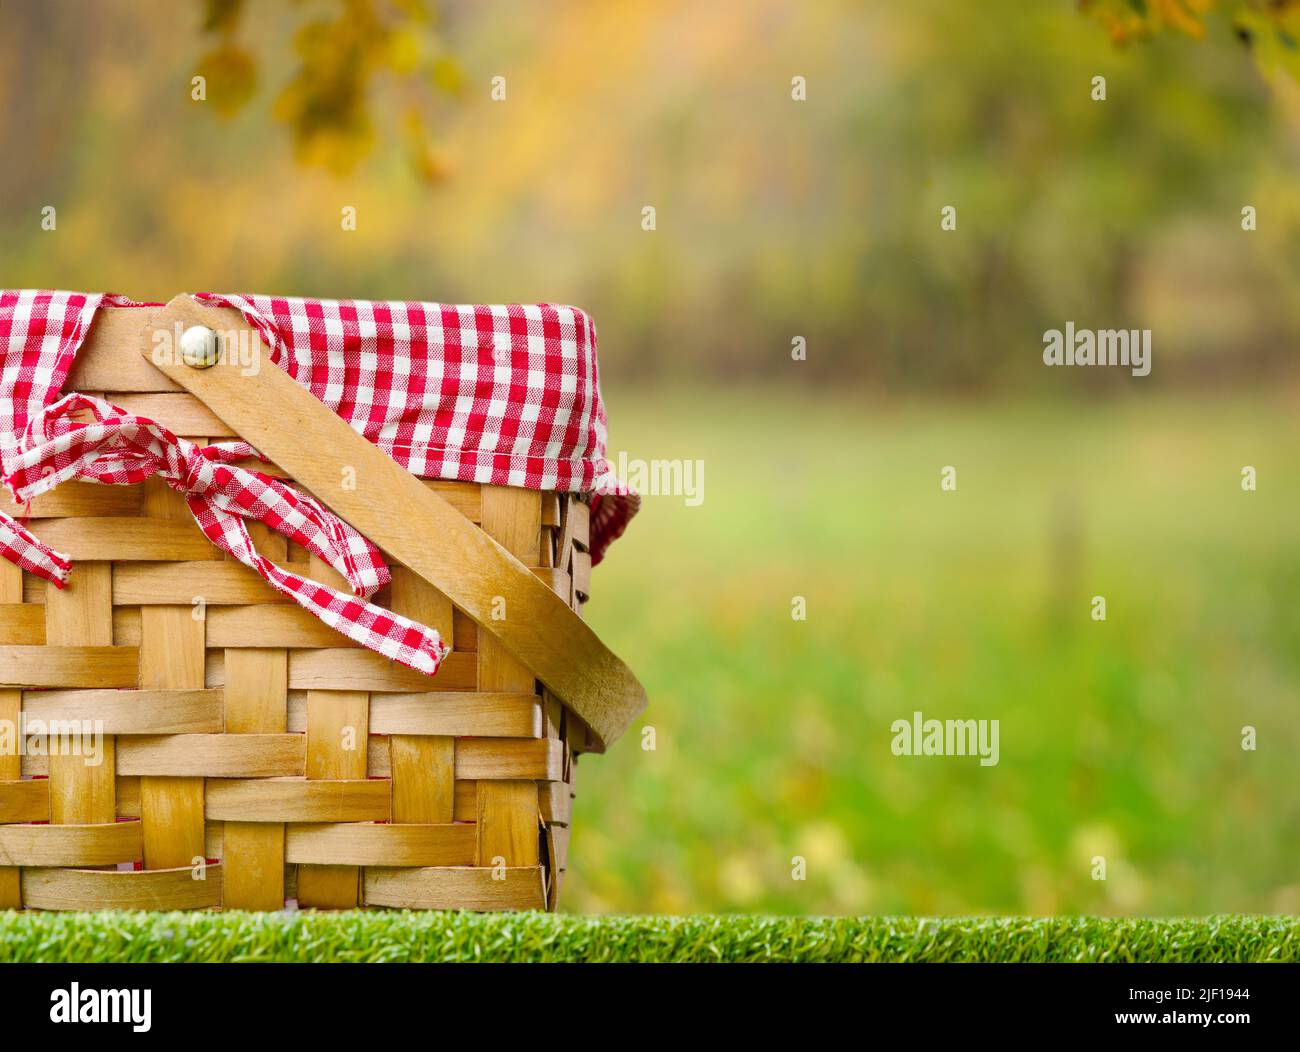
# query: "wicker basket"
{"points": [[251, 755]]}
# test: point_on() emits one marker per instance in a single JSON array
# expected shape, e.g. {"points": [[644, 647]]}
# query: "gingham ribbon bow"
{"points": [[116, 447]]}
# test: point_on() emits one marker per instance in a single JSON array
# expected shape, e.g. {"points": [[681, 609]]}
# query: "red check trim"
{"points": [[117, 448]]}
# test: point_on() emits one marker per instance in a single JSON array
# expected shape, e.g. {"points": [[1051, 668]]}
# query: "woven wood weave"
{"points": [[251, 755]]}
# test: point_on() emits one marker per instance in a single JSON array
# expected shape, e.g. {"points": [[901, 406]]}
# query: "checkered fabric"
{"points": [[503, 395], [118, 448], [508, 395], [40, 333]]}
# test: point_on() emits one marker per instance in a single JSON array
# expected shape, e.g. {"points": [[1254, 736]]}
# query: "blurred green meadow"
{"points": [[1120, 739]]}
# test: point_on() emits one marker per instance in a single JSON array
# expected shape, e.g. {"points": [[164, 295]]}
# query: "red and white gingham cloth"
{"points": [[504, 395], [118, 448]]}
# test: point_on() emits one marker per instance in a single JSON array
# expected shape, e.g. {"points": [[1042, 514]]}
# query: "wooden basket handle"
{"points": [[283, 420]]}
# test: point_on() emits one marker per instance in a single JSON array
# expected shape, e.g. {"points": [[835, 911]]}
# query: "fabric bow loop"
{"points": [[118, 448]]}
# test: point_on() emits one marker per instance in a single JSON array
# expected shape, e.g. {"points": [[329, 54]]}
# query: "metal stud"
{"points": [[199, 347]]}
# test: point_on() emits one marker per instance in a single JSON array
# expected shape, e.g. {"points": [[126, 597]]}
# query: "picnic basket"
{"points": [[251, 755]]}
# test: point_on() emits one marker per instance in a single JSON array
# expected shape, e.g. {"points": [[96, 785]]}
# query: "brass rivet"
{"points": [[199, 348]]}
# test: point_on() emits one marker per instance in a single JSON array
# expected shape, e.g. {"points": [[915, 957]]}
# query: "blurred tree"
{"points": [[325, 102], [777, 218], [1270, 28]]}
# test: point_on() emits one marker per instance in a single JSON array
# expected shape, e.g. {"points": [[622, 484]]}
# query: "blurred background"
{"points": [[777, 219]]}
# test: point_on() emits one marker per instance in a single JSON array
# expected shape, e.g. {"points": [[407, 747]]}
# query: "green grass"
{"points": [[535, 937]]}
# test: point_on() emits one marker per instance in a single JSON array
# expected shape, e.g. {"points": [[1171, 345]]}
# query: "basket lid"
{"points": [[507, 395]]}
